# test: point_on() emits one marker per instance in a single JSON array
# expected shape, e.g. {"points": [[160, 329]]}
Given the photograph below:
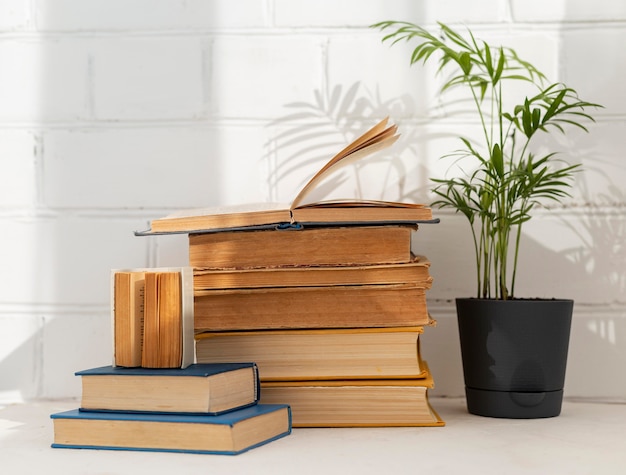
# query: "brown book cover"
{"points": [[354, 245], [416, 272], [349, 306]]}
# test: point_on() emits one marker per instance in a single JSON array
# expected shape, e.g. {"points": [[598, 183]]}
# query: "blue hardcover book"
{"points": [[230, 433], [200, 388]]}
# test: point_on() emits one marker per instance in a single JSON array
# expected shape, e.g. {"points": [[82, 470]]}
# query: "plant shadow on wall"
{"points": [[312, 132], [590, 225], [601, 233], [601, 253], [588, 261]]}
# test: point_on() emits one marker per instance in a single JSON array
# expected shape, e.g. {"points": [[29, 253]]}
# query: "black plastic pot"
{"points": [[514, 355]]}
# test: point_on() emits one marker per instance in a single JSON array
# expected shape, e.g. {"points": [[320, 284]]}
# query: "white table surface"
{"points": [[587, 438]]}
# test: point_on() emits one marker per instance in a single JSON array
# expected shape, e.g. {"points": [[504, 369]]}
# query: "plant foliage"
{"points": [[506, 180]]}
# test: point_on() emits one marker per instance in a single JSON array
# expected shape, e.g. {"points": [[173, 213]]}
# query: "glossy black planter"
{"points": [[514, 355]]}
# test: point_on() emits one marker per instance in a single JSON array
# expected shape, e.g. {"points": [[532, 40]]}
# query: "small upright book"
{"points": [[200, 388], [152, 317], [230, 433], [301, 211]]}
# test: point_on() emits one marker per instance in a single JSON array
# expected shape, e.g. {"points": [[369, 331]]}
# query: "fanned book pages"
{"points": [[344, 211], [152, 317]]}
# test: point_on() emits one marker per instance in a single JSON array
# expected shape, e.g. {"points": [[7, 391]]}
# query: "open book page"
{"points": [[360, 204], [374, 140], [351, 211], [242, 215]]}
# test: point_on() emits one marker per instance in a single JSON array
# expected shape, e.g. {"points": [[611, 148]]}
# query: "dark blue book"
{"points": [[200, 388], [230, 433]]}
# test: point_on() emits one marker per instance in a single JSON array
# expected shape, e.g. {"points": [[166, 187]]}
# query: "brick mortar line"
{"points": [[300, 31]]}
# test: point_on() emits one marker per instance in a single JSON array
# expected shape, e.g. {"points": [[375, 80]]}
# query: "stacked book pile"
{"points": [[153, 397], [328, 299], [338, 341]]}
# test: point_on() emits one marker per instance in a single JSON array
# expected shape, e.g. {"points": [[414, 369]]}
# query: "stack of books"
{"points": [[153, 397], [200, 409], [327, 298]]}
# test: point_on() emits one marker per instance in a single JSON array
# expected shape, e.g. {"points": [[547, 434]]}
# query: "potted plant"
{"points": [[514, 349]]}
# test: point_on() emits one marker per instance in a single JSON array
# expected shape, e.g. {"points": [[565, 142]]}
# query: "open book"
{"points": [[263, 215]]}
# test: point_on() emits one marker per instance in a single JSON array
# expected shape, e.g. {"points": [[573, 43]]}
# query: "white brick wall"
{"points": [[113, 112]]}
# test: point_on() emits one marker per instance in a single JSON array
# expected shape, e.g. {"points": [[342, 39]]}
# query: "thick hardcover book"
{"points": [[230, 433], [269, 215], [199, 388], [326, 354], [349, 306], [152, 317], [416, 272], [315, 246], [355, 403]]}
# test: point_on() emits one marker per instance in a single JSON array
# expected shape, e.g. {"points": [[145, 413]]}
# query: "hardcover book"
{"points": [[355, 403], [326, 354], [348, 306], [309, 246], [231, 433], [199, 388], [269, 215], [416, 271]]}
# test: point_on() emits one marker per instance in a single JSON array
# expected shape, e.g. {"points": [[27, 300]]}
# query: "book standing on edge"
{"points": [[152, 317]]}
